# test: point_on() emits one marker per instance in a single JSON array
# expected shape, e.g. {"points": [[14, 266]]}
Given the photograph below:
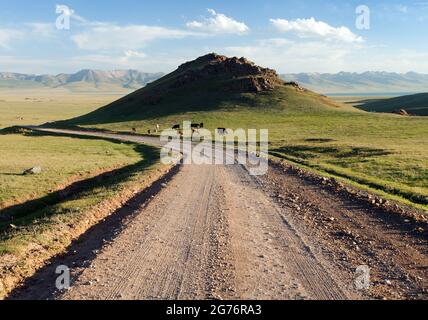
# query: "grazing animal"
{"points": [[197, 125], [176, 127], [149, 131]]}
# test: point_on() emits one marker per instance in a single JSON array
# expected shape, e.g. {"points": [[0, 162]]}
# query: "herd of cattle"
{"points": [[194, 126]]}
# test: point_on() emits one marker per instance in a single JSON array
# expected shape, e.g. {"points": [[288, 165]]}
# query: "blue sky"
{"points": [[287, 35]]}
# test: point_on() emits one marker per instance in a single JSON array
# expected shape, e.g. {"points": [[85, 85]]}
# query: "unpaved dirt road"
{"points": [[216, 232]]}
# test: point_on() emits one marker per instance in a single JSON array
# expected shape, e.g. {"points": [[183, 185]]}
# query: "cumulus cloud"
{"points": [[109, 36], [312, 28], [219, 23]]}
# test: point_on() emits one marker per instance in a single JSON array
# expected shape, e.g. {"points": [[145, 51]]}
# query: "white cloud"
{"points": [[312, 28], [287, 56], [134, 54], [218, 23], [7, 35], [109, 36], [330, 57], [41, 29]]}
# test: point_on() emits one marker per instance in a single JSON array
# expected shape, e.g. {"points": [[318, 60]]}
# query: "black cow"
{"points": [[221, 130], [197, 125]]}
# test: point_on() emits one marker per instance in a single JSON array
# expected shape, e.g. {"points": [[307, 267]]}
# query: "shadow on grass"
{"points": [[25, 213], [311, 152], [320, 140]]}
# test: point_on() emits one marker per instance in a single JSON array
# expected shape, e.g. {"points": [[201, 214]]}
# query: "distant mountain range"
{"points": [[117, 80], [130, 80], [367, 82]]}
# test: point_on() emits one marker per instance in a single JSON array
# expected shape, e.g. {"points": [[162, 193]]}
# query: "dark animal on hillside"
{"points": [[197, 125], [149, 131], [134, 130], [176, 127]]}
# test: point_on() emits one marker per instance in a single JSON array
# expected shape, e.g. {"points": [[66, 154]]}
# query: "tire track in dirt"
{"points": [[272, 260], [163, 253]]}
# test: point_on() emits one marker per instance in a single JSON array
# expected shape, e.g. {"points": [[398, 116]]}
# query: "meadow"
{"points": [[384, 152], [35, 107], [62, 159], [65, 161]]}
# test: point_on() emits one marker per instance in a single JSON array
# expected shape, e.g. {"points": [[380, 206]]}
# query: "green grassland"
{"points": [[35, 107], [385, 152], [65, 161], [62, 159]]}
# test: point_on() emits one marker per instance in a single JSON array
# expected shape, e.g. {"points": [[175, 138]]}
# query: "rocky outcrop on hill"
{"points": [[239, 74]]}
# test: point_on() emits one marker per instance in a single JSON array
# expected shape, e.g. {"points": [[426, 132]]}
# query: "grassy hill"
{"points": [[195, 92], [381, 151], [416, 104]]}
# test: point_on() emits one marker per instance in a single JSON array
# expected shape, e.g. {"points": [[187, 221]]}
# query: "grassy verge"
{"points": [[63, 160], [46, 226], [381, 188]]}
